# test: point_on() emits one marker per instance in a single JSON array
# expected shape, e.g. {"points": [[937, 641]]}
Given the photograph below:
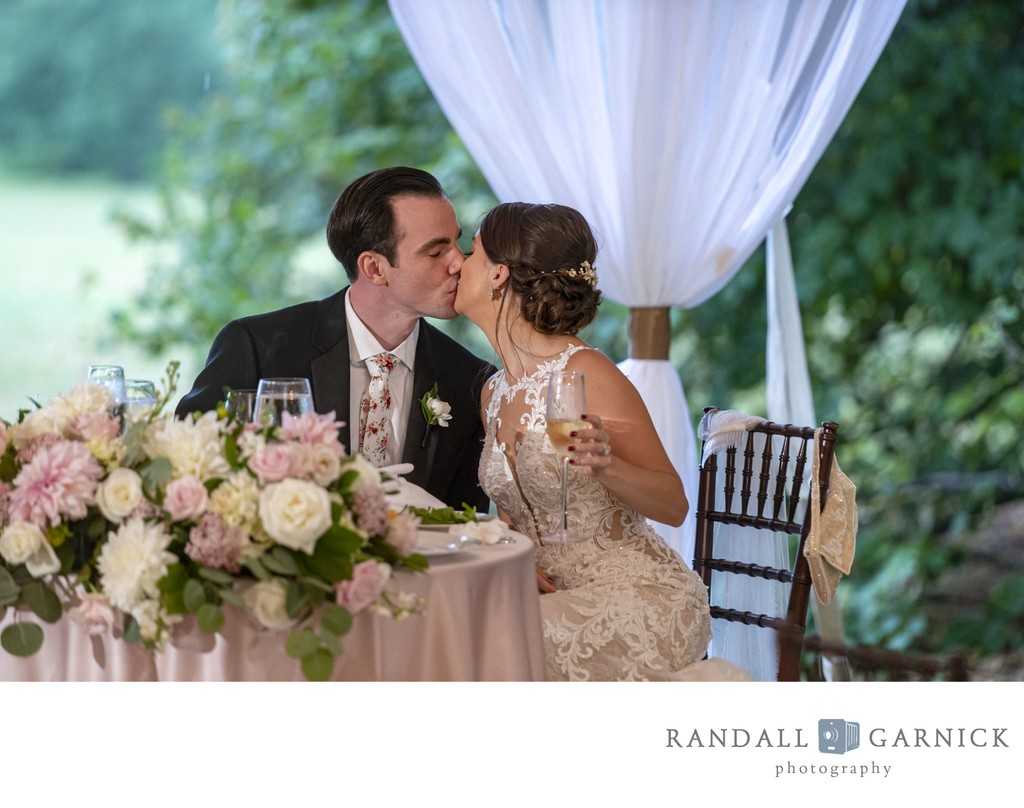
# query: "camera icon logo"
{"points": [[836, 736]]}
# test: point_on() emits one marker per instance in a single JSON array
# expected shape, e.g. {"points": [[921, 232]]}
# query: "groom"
{"points": [[395, 232]]}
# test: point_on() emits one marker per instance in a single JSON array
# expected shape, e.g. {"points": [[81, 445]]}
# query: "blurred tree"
{"points": [[85, 84], [321, 93]]}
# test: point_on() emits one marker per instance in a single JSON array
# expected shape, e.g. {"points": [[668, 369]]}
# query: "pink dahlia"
{"points": [[60, 482]]}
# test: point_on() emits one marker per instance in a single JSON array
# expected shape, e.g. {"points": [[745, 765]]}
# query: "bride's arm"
{"points": [[637, 470]]}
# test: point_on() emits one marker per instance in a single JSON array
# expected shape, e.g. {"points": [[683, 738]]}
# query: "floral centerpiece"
{"points": [[130, 525]]}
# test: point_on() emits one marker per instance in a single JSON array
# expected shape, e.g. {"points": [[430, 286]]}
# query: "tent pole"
{"points": [[650, 332]]}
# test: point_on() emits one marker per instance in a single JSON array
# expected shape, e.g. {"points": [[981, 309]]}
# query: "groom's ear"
{"points": [[371, 267]]}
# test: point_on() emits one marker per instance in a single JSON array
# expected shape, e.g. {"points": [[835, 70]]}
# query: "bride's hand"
{"points": [[591, 449], [545, 583]]}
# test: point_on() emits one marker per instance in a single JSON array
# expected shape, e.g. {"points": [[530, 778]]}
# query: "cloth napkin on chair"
{"points": [[832, 539]]}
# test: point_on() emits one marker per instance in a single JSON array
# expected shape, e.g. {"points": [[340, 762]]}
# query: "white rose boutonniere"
{"points": [[435, 411]]}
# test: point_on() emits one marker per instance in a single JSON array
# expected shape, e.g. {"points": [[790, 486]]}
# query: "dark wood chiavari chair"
{"points": [[762, 490]]}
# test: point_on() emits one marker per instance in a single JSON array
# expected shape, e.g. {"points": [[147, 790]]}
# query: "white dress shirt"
{"points": [[362, 344]]}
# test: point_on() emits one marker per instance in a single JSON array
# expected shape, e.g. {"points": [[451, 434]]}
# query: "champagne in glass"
{"points": [[566, 404], [275, 397]]}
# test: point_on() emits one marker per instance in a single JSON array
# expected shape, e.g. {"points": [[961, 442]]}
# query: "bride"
{"points": [[620, 605]]}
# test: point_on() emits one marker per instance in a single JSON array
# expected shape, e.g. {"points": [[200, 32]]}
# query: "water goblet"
{"points": [[241, 405], [566, 404], [111, 377], [274, 397], [140, 397]]}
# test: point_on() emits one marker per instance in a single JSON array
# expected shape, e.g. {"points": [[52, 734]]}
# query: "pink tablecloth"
{"points": [[481, 623]]}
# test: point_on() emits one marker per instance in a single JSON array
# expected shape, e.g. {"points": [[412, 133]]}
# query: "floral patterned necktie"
{"points": [[375, 410]]}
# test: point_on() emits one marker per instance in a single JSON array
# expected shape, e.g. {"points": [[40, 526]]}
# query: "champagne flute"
{"points": [[565, 407], [241, 404], [275, 397]]}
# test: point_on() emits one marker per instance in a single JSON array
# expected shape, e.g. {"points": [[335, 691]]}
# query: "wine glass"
{"points": [[274, 397], [111, 377], [565, 407], [241, 404], [140, 396]]}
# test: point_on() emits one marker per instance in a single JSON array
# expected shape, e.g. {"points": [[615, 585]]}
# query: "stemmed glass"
{"points": [[111, 377], [274, 397], [565, 407], [241, 404], [140, 397]]}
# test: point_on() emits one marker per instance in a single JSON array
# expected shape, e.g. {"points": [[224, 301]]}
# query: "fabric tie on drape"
{"points": [[375, 410], [681, 130]]}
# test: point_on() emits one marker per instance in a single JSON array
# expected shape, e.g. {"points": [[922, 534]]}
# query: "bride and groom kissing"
{"points": [[620, 605]]}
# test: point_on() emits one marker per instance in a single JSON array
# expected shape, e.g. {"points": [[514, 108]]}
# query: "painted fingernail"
{"points": [[573, 434], [572, 449], [583, 417]]}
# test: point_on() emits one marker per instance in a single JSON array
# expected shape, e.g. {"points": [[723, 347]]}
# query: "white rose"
{"points": [[324, 463], [266, 601], [295, 513], [366, 472], [25, 543], [441, 410], [119, 494]]}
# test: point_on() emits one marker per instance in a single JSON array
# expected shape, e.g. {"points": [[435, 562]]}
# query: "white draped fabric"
{"points": [[681, 130]]}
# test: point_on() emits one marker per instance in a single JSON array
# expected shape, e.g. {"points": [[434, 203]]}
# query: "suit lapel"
{"points": [[331, 383]]}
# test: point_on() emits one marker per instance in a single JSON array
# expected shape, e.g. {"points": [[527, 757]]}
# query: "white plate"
{"points": [[439, 544]]}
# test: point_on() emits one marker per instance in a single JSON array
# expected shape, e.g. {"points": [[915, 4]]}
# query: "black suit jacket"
{"points": [[310, 340]]}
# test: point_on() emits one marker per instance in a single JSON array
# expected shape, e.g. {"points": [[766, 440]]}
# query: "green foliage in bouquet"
{"points": [[155, 518]]}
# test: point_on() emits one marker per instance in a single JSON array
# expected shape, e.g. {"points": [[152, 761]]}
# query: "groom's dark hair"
{"points": [[362, 217]]}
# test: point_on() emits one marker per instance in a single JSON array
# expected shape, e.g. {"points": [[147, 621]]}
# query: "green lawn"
{"points": [[63, 268]]}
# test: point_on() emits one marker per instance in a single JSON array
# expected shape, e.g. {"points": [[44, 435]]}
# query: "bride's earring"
{"points": [[491, 292]]}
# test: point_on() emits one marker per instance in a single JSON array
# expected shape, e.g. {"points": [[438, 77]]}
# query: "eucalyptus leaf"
{"points": [[332, 642], [319, 665], [217, 576], [132, 632], [336, 619], [209, 618], [22, 639], [9, 589], [301, 644], [194, 595], [229, 595], [279, 560], [174, 579], [42, 600], [255, 566]]}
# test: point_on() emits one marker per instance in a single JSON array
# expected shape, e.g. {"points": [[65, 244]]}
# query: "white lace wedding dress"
{"points": [[627, 607]]}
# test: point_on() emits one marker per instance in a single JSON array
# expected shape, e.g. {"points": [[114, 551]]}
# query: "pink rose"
{"points": [[93, 614], [368, 579], [186, 498], [276, 461]]}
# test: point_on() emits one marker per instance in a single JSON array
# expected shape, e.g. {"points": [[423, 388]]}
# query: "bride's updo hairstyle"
{"points": [[549, 250]]}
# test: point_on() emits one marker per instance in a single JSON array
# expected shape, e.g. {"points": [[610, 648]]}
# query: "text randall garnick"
{"points": [[783, 738]]}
